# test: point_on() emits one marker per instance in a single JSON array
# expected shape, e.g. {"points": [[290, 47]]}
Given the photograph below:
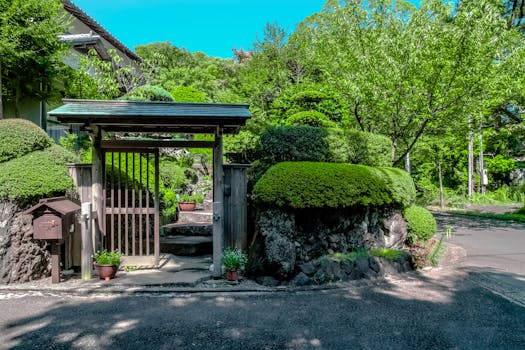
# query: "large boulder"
{"points": [[288, 240]]}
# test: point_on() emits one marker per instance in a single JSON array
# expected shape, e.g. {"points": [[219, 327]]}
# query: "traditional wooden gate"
{"points": [[131, 191]]}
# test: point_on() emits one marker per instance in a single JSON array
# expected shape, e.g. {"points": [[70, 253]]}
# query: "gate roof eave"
{"points": [[140, 116]]}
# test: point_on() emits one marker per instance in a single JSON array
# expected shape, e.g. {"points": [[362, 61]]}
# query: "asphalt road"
{"points": [[439, 309]]}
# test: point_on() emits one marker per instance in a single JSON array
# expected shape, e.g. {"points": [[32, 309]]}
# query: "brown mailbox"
{"points": [[53, 218]]}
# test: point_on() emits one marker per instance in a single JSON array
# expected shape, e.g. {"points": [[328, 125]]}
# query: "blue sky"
{"points": [[211, 26]]}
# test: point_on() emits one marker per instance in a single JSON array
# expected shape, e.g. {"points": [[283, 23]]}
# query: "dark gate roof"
{"points": [[139, 116]]}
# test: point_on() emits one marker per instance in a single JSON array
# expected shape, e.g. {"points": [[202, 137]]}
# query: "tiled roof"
{"points": [[98, 29], [153, 116]]}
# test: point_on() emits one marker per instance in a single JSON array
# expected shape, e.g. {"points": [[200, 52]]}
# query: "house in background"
{"points": [[84, 34]]}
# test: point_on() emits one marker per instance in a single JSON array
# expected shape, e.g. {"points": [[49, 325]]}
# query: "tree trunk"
{"points": [[407, 162], [394, 149], [441, 192], [17, 101]]}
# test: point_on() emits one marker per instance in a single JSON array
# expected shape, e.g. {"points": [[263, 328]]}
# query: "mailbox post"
{"points": [[53, 220]]}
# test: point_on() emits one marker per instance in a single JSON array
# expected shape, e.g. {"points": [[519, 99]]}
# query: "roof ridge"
{"points": [[77, 12]]}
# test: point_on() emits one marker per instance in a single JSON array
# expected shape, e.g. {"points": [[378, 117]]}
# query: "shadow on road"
{"points": [[417, 311]]}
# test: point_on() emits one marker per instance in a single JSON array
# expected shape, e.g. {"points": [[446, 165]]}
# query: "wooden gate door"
{"points": [[132, 202]]}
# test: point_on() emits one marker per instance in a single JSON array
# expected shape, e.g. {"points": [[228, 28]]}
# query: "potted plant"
{"points": [[188, 202], [233, 261], [107, 264]]}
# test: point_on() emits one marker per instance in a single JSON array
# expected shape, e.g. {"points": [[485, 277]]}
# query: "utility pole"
{"points": [[470, 160], [481, 164]]}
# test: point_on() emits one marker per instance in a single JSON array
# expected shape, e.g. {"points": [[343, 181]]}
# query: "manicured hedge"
{"points": [[369, 149], [399, 182], [311, 118], [36, 175], [294, 143], [421, 223], [316, 185], [19, 137]]}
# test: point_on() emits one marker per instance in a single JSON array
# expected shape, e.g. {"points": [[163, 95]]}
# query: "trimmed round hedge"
{"points": [[19, 137], [421, 224], [335, 185], [36, 175]]}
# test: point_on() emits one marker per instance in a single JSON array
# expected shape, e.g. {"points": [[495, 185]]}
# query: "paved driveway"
{"points": [[495, 252]]}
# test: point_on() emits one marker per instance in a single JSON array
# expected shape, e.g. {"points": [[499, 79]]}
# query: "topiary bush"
{"points": [[148, 93], [369, 149], [335, 185], [294, 143], [36, 175], [19, 137], [421, 224], [400, 183], [311, 118]]}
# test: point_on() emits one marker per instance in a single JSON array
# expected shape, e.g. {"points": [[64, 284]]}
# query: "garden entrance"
{"points": [[131, 211], [126, 223]]}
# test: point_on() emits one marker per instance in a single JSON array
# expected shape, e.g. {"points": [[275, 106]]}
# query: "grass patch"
{"points": [[505, 216], [385, 253]]}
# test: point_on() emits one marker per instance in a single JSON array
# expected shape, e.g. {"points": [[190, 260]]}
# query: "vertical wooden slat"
{"points": [[112, 202], [119, 198], [148, 229], [97, 195], [133, 222], [156, 233], [140, 204], [126, 216]]}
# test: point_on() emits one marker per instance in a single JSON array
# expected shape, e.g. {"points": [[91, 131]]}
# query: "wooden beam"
{"points": [[144, 144], [97, 196], [218, 205]]}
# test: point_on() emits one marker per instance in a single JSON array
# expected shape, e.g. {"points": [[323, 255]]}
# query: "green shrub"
{"points": [[294, 143], [317, 185], [520, 211], [36, 175], [188, 94], [107, 258], [241, 148], [400, 184], [311, 118], [421, 224], [148, 93], [234, 260], [19, 137], [369, 149]]}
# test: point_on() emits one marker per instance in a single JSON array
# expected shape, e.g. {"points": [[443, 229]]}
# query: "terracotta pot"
{"points": [[106, 271], [232, 275], [187, 206]]}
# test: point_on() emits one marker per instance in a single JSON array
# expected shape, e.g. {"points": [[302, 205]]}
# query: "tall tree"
{"points": [[405, 70], [30, 49]]}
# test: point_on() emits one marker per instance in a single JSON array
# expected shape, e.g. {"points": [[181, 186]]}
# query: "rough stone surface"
{"points": [[267, 281], [301, 280], [287, 241], [22, 259]]}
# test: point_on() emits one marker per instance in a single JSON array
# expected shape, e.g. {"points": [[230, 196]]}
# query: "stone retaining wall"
{"points": [[287, 239], [21, 258]]}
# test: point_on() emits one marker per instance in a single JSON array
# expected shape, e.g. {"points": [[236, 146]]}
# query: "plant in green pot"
{"points": [[107, 264], [233, 261]]}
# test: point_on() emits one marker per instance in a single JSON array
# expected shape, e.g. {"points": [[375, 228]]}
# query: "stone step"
{"points": [[188, 229], [186, 245], [196, 216], [207, 205]]}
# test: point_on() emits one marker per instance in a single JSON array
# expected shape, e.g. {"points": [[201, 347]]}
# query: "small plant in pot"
{"points": [[107, 264], [233, 261], [188, 202]]}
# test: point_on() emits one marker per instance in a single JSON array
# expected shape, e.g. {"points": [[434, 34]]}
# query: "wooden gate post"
{"points": [[218, 202], [97, 196]]}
